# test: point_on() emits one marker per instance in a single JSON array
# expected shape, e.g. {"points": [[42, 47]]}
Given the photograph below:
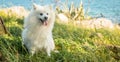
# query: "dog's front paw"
{"points": [[48, 51], [32, 51]]}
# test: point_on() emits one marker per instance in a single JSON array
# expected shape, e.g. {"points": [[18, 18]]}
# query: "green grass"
{"points": [[75, 44]]}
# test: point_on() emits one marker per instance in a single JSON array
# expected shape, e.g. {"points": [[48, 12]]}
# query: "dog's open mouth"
{"points": [[44, 22]]}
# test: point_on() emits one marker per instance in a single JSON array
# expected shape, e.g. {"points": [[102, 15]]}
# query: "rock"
{"points": [[95, 23], [18, 11], [62, 18]]}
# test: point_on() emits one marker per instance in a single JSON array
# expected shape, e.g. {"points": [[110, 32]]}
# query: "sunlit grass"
{"points": [[75, 44]]}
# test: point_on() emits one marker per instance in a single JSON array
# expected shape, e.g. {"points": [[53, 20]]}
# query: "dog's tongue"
{"points": [[45, 23]]}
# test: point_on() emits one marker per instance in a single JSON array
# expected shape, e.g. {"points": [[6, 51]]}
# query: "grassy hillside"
{"points": [[75, 44]]}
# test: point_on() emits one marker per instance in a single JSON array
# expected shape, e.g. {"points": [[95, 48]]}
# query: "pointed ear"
{"points": [[35, 6]]}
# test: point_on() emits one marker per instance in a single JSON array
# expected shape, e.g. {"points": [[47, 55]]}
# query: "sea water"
{"points": [[108, 8]]}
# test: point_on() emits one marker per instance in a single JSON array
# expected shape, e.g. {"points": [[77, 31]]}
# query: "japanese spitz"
{"points": [[37, 33]]}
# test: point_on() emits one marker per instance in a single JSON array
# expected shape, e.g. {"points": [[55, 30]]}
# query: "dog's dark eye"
{"points": [[47, 13], [41, 14]]}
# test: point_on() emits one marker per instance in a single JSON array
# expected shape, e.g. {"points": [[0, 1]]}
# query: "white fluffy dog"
{"points": [[37, 33]]}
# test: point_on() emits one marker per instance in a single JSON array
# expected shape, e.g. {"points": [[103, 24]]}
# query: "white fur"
{"points": [[35, 35]]}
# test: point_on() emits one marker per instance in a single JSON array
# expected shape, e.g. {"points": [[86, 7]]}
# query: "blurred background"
{"points": [[107, 8]]}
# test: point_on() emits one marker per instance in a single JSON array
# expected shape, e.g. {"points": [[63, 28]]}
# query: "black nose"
{"points": [[45, 18]]}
